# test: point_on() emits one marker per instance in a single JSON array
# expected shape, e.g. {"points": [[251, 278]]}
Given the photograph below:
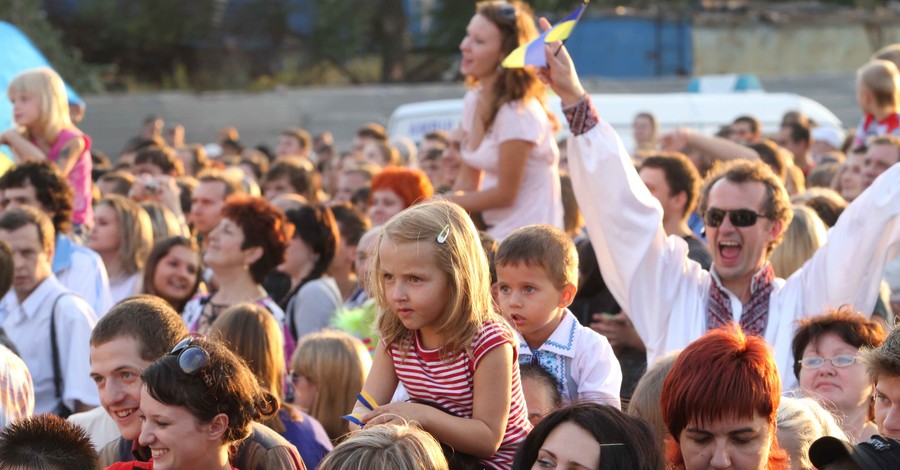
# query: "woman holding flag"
{"points": [[509, 171]]}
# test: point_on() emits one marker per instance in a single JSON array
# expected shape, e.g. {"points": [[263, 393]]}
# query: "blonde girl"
{"points": [[441, 338], [45, 132], [327, 371]]}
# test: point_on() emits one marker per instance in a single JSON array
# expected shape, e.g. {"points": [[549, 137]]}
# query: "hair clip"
{"points": [[442, 237]]}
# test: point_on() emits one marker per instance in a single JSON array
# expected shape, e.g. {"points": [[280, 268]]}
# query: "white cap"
{"points": [[830, 135]]}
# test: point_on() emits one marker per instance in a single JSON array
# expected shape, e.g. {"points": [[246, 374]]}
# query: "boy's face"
{"points": [[116, 368], [533, 302], [887, 406]]}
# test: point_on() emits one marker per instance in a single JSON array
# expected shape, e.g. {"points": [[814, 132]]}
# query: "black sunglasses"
{"points": [[738, 217], [192, 359]]}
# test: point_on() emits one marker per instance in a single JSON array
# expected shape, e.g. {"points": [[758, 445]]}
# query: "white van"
{"points": [[705, 112]]}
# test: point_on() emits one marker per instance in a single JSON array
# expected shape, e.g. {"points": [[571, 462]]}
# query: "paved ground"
{"points": [[112, 119]]}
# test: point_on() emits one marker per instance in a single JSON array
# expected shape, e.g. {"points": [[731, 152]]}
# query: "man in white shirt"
{"points": [[76, 267], [38, 303], [672, 301]]}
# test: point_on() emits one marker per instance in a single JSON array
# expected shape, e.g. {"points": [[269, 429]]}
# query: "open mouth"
{"points": [[729, 251]]}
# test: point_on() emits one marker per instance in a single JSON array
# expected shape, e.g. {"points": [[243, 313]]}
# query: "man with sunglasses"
{"points": [[135, 333], [671, 300]]}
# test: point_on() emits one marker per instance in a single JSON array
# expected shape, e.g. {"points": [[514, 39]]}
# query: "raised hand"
{"points": [[560, 72]]}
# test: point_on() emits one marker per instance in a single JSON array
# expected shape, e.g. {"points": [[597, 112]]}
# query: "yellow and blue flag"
{"points": [[533, 52]]}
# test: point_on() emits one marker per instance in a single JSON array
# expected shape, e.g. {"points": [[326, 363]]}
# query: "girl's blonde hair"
{"points": [[47, 86], [338, 364], [804, 235], [448, 230], [512, 83], [252, 333], [135, 231], [390, 446]]}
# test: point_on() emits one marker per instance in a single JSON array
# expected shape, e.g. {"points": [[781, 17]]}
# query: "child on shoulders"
{"points": [[878, 97], [537, 269]]}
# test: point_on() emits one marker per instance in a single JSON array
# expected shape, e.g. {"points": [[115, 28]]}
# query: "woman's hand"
{"points": [[560, 72]]}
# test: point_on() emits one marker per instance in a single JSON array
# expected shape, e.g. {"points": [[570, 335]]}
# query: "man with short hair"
{"points": [[135, 333], [350, 180], [207, 201], [883, 152], [674, 182], [671, 299], [796, 138], [157, 161], [294, 142], [46, 322], [746, 130], [46, 442], [883, 368], [370, 133], [290, 176], [76, 267]]}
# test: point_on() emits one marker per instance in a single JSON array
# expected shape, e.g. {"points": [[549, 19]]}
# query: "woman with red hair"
{"points": [[720, 402], [248, 243], [395, 189]]}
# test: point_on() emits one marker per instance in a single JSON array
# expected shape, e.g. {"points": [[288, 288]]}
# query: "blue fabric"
{"points": [[308, 436]]}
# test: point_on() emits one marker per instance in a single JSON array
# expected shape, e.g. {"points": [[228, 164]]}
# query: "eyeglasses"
{"points": [[192, 359], [738, 217], [844, 360]]}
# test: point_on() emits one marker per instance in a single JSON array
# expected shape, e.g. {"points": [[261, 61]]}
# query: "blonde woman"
{"points": [[328, 370], [804, 235], [393, 446], [644, 402], [252, 333], [123, 237], [799, 423]]}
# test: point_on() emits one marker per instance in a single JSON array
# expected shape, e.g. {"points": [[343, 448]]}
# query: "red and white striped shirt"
{"points": [[449, 384]]}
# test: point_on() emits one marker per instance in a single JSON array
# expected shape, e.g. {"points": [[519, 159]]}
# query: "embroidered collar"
{"points": [[561, 341], [756, 282]]}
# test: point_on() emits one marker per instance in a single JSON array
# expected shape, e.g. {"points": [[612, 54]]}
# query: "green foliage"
{"points": [[63, 56]]}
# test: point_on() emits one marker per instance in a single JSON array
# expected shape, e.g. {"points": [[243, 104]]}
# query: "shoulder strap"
{"points": [[57, 374]]}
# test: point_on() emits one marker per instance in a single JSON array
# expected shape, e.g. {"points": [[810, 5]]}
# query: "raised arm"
{"points": [[712, 146], [23, 150], [848, 269], [648, 273]]}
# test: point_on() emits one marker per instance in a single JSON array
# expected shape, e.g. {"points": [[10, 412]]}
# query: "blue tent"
{"points": [[17, 55]]}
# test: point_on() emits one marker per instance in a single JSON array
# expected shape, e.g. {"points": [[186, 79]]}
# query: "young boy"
{"points": [[537, 269], [878, 96]]}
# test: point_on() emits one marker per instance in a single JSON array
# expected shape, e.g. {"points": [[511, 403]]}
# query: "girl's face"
{"points": [[481, 48], [846, 388], [105, 237], [385, 204], [174, 437], [568, 446], [738, 444], [26, 108], [305, 392], [416, 289], [224, 248], [176, 274]]}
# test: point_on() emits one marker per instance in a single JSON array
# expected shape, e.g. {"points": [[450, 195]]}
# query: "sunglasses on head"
{"points": [[507, 12], [192, 358], [738, 217]]}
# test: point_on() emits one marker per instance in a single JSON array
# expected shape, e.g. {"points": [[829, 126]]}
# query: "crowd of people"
{"points": [[475, 301]]}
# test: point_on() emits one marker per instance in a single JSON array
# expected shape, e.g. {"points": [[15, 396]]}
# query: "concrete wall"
{"points": [[788, 49], [111, 120]]}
